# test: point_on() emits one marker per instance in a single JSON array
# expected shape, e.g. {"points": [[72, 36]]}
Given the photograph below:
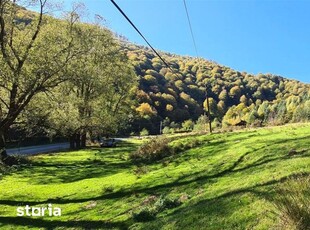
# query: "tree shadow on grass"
{"points": [[219, 207], [212, 147], [219, 170], [101, 163], [68, 173], [202, 178], [162, 188], [52, 224], [283, 154]]}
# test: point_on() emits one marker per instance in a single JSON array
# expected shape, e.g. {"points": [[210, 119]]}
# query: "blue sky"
{"points": [[256, 36]]}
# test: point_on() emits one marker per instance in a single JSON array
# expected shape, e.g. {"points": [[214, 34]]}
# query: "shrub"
{"points": [[140, 170], [152, 206], [145, 214], [13, 163], [167, 130], [155, 149], [159, 148], [216, 123], [188, 125], [144, 132], [16, 160], [169, 202], [108, 189], [201, 124], [188, 143], [293, 204]]}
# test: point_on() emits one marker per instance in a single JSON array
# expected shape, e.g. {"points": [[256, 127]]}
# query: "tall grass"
{"points": [[293, 204]]}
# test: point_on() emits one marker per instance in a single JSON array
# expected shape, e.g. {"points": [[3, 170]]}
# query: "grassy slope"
{"points": [[229, 182]]}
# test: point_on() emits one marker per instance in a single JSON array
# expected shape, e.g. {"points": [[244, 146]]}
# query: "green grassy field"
{"points": [[228, 182]]}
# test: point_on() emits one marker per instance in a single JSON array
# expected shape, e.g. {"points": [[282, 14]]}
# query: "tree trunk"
{"points": [[83, 140], [72, 141], [3, 154], [78, 140]]}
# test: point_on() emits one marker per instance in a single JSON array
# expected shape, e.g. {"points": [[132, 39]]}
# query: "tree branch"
{"points": [[6, 105], [34, 36], [3, 37]]}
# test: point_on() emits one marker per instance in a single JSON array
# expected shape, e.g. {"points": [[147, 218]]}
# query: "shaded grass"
{"points": [[227, 182]]}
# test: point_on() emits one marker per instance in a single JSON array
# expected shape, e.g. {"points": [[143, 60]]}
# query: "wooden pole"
{"points": [[208, 107]]}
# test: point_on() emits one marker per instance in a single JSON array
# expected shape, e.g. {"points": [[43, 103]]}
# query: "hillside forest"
{"points": [[178, 95], [63, 78]]}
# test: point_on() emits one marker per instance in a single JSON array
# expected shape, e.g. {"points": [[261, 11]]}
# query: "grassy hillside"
{"points": [[228, 182]]}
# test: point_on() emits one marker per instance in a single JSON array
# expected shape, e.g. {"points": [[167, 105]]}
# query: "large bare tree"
{"points": [[34, 53]]}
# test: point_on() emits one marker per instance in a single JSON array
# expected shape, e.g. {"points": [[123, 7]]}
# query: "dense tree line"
{"points": [[235, 98]]}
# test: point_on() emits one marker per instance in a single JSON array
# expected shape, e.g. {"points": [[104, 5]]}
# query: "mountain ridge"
{"points": [[124, 41]]}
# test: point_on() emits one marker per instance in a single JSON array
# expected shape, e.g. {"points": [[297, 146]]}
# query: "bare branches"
{"points": [[34, 36], [3, 35], [39, 75], [4, 102], [13, 12]]}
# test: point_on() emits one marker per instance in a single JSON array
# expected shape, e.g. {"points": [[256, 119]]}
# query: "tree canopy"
{"points": [[234, 96]]}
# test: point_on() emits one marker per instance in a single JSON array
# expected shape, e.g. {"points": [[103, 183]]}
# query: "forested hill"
{"points": [[180, 96], [95, 90]]}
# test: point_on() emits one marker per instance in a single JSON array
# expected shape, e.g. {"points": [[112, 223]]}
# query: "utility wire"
{"points": [[162, 59], [133, 25], [190, 27], [193, 38]]}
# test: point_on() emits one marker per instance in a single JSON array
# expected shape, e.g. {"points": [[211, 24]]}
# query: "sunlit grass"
{"points": [[227, 182]]}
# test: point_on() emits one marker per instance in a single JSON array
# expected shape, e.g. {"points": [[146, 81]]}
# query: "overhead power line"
{"points": [[190, 27], [193, 38], [133, 25]]}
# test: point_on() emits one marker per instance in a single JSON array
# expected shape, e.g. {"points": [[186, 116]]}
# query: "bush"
{"points": [[167, 130], [184, 144], [201, 124], [188, 125], [293, 204], [108, 189], [302, 112], [159, 148], [13, 163], [155, 149], [152, 206], [216, 124], [15, 160], [144, 132], [140, 170], [145, 214], [169, 203]]}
